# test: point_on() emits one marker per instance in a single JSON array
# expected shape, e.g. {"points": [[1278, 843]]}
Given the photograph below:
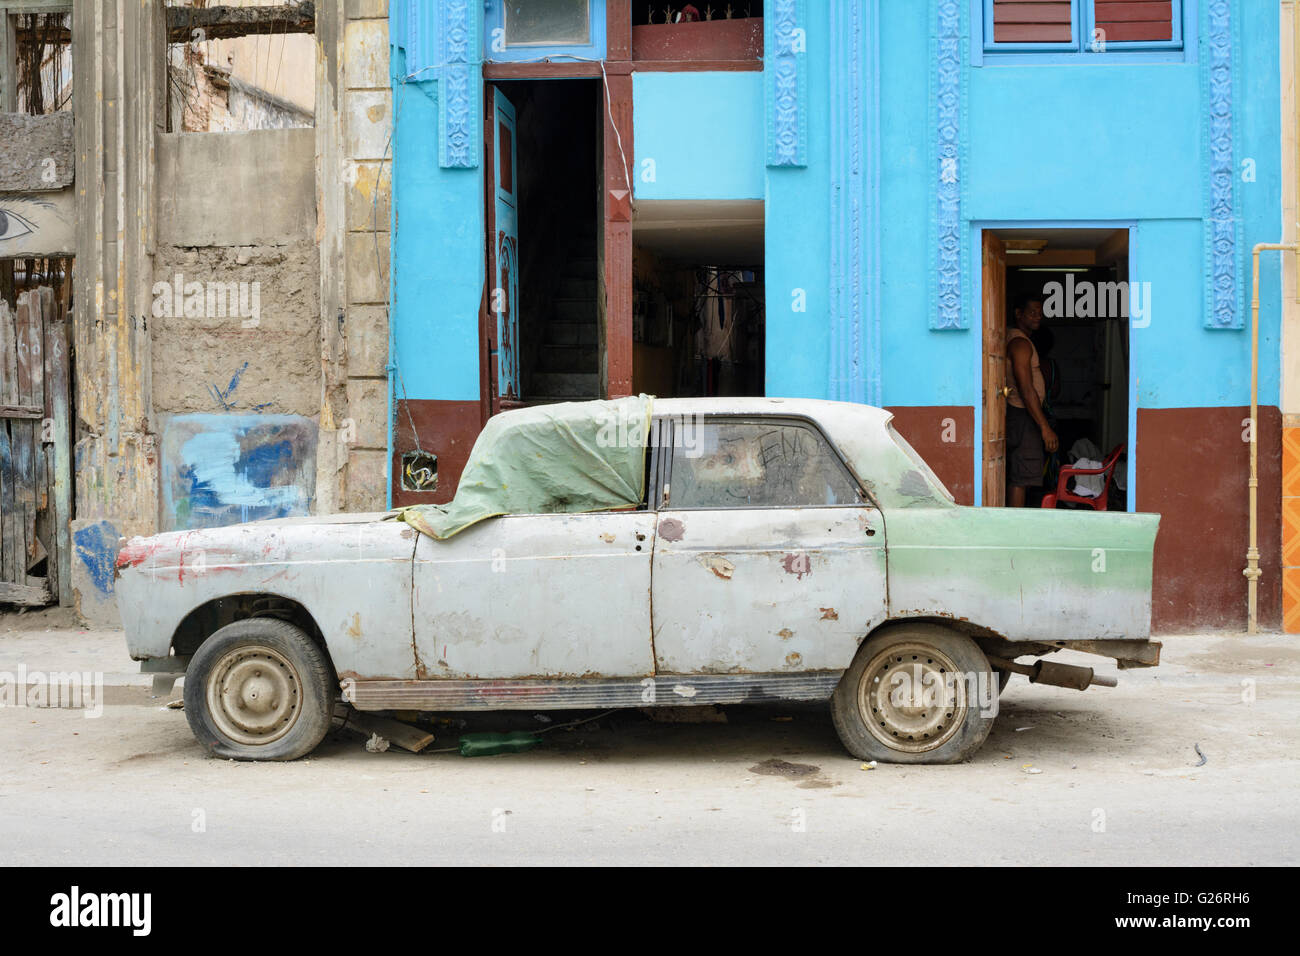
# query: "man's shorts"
{"points": [[1025, 455]]}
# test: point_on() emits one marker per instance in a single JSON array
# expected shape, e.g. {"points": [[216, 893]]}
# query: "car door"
{"points": [[536, 596], [768, 557]]}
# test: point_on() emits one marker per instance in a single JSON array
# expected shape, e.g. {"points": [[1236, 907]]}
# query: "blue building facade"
{"points": [[859, 190]]}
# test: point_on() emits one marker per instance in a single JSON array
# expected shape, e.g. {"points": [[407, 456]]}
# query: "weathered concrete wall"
{"points": [[35, 152], [232, 323], [236, 328], [115, 456], [236, 189], [364, 104]]}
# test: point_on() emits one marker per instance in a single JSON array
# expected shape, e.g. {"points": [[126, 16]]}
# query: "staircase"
{"points": [[568, 367]]}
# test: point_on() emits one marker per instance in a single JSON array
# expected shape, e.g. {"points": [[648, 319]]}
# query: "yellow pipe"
{"points": [[1252, 571]]}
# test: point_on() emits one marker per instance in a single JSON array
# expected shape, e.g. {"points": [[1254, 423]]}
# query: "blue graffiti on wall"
{"points": [[97, 548], [224, 469]]}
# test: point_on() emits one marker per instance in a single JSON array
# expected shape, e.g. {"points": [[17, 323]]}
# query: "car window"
{"points": [[739, 464]]}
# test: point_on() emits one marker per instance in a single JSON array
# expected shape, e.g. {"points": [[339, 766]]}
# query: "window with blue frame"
{"points": [[528, 30], [1083, 27]]}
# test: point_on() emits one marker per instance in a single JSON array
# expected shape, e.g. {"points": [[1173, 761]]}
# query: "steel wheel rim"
{"points": [[912, 697], [254, 695]]}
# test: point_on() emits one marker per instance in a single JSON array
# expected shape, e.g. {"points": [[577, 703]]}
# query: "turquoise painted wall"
{"points": [[1051, 142], [797, 243], [701, 132], [437, 255]]}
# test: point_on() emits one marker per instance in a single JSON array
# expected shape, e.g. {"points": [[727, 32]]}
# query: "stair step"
{"points": [[567, 358], [574, 310], [570, 333], [583, 267], [578, 288], [575, 385]]}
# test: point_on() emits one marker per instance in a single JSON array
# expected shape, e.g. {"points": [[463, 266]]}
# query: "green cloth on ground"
{"points": [[569, 458]]}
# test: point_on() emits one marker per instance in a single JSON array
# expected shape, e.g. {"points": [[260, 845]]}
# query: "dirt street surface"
{"points": [[1104, 777]]}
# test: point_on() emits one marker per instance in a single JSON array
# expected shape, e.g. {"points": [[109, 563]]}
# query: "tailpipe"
{"points": [[1058, 675]]}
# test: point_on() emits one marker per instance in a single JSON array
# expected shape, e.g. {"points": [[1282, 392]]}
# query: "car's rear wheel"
{"points": [[259, 689], [916, 693]]}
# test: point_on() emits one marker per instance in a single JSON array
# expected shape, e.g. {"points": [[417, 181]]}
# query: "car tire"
{"points": [[878, 719], [259, 689]]}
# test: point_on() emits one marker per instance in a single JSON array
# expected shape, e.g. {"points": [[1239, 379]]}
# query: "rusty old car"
{"points": [[640, 552]]}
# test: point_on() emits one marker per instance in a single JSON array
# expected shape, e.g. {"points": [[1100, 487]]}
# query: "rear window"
{"points": [[919, 463]]}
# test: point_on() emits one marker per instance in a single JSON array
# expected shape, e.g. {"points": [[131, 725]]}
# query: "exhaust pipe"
{"points": [[1057, 675]]}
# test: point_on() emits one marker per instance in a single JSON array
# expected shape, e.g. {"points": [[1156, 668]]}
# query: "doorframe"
{"points": [[977, 228]]}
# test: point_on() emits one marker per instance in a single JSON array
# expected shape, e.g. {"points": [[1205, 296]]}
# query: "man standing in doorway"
{"points": [[1028, 432]]}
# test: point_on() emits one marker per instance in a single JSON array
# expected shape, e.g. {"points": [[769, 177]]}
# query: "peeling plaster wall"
{"points": [[235, 326], [189, 418], [264, 357]]}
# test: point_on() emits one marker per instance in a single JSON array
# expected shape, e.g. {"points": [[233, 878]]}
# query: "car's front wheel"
{"points": [[259, 689], [916, 693]]}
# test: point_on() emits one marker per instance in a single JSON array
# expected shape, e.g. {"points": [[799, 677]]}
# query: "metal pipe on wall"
{"points": [[1251, 570]]}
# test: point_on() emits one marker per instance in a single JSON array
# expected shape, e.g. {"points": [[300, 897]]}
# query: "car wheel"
{"points": [[915, 693], [259, 689]]}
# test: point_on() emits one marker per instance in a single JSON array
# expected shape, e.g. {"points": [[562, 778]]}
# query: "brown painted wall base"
{"points": [[1192, 468], [447, 429], [944, 435]]}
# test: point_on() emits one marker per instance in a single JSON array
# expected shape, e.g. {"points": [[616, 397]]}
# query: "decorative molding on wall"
{"points": [[1222, 219], [854, 202], [947, 156], [787, 83], [459, 49], [442, 40]]}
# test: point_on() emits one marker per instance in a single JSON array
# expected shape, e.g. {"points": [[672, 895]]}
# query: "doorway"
{"points": [[698, 313], [544, 138], [35, 437], [1080, 276]]}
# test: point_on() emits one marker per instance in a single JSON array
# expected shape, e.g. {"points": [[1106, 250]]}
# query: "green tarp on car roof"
{"points": [[569, 458]]}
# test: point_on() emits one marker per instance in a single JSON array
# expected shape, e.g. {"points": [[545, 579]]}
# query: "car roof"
{"points": [[820, 410]]}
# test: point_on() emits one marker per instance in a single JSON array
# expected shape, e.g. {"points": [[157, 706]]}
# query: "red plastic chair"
{"points": [[1098, 503]]}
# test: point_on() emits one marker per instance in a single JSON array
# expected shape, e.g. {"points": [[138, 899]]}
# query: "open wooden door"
{"points": [[995, 370], [503, 257], [35, 451]]}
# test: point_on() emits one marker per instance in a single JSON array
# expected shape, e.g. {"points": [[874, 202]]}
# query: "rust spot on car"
{"points": [[793, 659], [785, 633], [829, 614], [607, 538], [718, 565], [797, 563], [670, 529], [354, 628]]}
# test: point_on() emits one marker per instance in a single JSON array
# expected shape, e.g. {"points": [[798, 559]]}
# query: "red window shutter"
{"points": [[1031, 21], [1124, 20]]}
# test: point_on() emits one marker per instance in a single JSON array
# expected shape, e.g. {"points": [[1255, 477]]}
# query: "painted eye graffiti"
{"points": [[13, 225]]}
